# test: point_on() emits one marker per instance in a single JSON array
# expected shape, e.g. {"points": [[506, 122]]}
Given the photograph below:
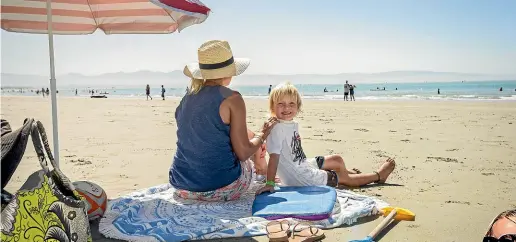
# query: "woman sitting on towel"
{"points": [[214, 147]]}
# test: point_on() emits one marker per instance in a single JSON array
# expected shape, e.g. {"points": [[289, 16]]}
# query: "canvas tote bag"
{"points": [[47, 207]]}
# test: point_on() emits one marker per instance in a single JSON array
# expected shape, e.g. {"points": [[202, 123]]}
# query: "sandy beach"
{"points": [[455, 160]]}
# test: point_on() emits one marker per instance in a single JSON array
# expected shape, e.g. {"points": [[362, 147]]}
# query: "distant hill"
{"points": [[177, 79]]}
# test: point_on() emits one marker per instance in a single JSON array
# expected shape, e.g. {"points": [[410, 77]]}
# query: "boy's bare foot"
{"points": [[386, 169], [354, 171]]}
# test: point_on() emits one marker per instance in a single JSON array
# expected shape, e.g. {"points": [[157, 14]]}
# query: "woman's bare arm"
{"points": [[242, 145]]}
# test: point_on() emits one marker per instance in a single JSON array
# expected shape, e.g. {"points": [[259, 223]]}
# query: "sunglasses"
{"points": [[503, 238]]}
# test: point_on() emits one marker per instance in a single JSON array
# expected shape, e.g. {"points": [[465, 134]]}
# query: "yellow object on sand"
{"points": [[402, 214]]}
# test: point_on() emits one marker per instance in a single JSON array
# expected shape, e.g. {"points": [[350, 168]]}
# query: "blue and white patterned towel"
{"points": [[155, 214]]}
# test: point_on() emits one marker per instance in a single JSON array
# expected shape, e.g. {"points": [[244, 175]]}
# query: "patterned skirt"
{"points": [[232, 191]]}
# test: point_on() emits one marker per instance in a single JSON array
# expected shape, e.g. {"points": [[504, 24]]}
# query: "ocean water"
{"points": [[473, 91]]}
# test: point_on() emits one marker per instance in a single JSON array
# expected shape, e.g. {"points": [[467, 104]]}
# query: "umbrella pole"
{"points": [[53, 82]]}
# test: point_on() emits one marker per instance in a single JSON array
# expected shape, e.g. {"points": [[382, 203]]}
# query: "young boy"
{"points": [[290, 162]]}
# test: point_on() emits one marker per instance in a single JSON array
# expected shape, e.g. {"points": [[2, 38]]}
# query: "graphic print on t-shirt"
{"points": [[297, 150]]}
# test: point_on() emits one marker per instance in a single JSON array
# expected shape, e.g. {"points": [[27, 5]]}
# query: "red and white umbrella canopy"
{"points": [[112, 16], [77, 17]]}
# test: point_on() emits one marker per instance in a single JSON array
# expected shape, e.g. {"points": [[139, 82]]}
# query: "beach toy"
{"points": [[304, 202], [94, 196], [390, 213], [402, 214]]}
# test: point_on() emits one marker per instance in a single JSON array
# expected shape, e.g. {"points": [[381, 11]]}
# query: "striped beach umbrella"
{"points": [[111, 16], [79, 17]]}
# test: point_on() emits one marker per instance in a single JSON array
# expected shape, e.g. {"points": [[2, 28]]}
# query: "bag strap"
{"points": [[38, 135]]}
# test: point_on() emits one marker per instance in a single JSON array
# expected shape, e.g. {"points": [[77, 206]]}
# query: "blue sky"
{"points": [[287, 37]]}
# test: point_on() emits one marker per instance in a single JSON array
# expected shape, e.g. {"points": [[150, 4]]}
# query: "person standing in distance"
{"points": [[346, 91]]}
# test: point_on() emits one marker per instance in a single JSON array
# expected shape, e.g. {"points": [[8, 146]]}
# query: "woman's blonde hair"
{"points": [[197, 84], [282, 90]]}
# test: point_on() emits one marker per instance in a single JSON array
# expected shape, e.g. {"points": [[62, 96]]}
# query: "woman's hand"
{"points": [[267, 127], [266, 188]]}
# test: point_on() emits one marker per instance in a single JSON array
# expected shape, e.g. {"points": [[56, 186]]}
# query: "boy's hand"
{"points": [[266, 188]]}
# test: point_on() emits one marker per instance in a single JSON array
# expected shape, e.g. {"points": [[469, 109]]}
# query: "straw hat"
{"points": [[216, 61]]}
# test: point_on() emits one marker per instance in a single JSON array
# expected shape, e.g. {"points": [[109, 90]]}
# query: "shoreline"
{"points": [[310, 98]]}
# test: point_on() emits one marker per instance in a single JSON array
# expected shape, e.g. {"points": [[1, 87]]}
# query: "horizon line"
{"points": [[265, 85], [257, 74]]}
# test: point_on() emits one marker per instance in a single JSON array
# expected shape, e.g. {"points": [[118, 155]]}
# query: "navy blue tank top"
{"points": [[204, 160]]}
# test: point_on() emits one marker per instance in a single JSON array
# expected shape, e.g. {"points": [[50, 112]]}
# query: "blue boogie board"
{"points": [[307, 203]]}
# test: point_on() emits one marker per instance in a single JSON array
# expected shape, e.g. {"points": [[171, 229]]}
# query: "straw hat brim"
{"points": [[238, 67]]}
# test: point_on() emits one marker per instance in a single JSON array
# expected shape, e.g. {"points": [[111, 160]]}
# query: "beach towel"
{"points": [[155, 214], [306, 203]]}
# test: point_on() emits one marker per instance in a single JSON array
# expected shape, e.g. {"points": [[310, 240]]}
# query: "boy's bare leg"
{"points": [[336, 163], [258, 158]]}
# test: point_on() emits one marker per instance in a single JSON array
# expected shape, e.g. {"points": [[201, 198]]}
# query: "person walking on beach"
{"points": [[215, 151], [43, 91], [48, 92], [352, 92], [270, 88], [75, 91], [162, 92], [438, 91], [147, 92], [346, 91]]}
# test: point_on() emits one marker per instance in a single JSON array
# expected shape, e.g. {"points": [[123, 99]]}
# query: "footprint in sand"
{"points": [[458, 202], [405, 140], [452, 150], [445, 159], [80, 162], [325, 119], [332, 140], [362, 130], [380, 153]]}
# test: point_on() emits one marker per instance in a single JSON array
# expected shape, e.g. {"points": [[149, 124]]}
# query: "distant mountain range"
{"points": [[177, 79]]}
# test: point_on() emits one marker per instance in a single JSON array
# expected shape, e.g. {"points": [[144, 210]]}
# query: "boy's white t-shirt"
{"points": [[294, 169]]}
